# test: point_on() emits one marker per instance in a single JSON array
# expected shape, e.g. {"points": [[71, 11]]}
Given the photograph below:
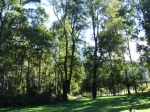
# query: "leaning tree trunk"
{"points": [[71, 65]]}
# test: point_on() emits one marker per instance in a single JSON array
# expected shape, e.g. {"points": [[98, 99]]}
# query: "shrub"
{"points": [[142, 88], [19, 100], [5, 101], [43, 98]]}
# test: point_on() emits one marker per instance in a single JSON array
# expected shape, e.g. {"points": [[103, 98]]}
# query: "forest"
{"points": [[42, 63]]}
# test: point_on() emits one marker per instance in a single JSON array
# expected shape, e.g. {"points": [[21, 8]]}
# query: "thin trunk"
{"points": [[126, 75], [73, 38], [94, 75], [39, 79], [128, 42], [134, 79], [146, 81], [1, 19], [20, 77], [112, 76], [135, 86], [71, 65], [28, 73], [127, 82], [59, 77], [3, 85], [55, 80], [58, 83]]}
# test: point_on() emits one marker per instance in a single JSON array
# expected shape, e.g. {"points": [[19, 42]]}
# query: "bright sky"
{"points": [[50, 12], [134, 54]]}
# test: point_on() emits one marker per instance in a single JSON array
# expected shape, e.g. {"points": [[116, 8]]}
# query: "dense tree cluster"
{"points": [[40, 65]]}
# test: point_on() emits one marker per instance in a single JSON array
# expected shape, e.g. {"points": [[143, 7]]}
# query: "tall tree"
{"points": [[24, 42], [146, 16], [95, 9], [73, 15]]}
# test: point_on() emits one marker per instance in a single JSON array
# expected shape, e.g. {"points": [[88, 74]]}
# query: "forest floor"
{"points": [[139, 103]]}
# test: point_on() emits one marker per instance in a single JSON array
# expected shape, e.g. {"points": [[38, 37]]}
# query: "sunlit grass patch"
{"points": [[140, 102]]}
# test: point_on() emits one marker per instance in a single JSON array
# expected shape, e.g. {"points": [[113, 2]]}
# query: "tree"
{"points": [[110, 39], [24, 43], [145, 20], [146, 16], [73, 15], [88, 66], [95, 9]]}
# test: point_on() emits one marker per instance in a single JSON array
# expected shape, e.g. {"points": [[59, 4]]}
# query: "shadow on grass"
{"points": [[101, 104]]}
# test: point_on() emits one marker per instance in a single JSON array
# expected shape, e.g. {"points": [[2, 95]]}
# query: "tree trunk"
{"points": [[94, 89], [134, 79], [127, 82], [39, 78], [95, 66], [65, 68], [112, 76], [146, 81], [71, 65], [113, 85], [28, 73], [135, 86], [3, 85], [126, 75], [65, 91]]}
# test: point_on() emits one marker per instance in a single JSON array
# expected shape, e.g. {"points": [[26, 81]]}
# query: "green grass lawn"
{"points": [[140, 102]]}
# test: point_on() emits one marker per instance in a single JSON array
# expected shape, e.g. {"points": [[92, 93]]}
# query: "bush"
{"points": [[142, 88], [19, 100], [43, 98], [148, 89], [5, 101], [33, 98]]}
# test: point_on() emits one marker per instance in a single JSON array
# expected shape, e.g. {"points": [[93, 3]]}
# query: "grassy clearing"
{"points": [[140, 102]]}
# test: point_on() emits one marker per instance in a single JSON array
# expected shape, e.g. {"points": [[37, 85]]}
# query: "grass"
{"points": [[140, 102]]}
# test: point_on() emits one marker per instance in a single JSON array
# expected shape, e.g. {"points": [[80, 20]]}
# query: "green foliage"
{"points": [[146, 15], [142, 88]]}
